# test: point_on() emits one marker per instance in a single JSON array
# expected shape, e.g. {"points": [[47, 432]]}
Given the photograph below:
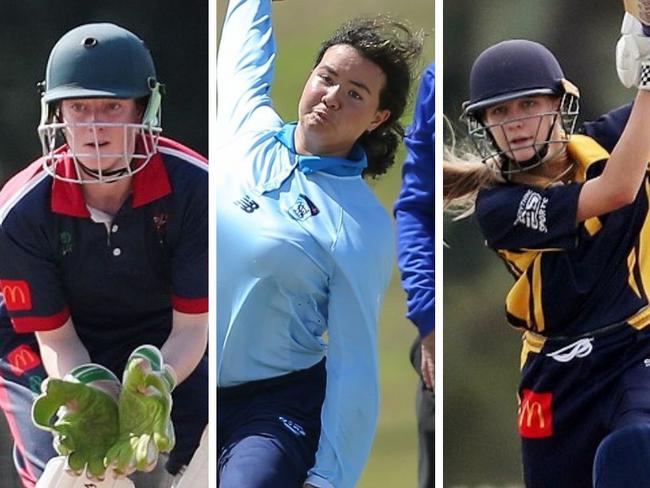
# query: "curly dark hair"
{"points": [[392, 46]]}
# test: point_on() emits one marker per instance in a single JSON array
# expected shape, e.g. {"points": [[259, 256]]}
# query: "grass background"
{"points": [[300, 26]]}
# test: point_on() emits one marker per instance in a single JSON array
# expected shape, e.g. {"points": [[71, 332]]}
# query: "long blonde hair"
{"points": [[465, 173]]}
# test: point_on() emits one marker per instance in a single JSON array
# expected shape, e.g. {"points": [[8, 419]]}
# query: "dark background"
{"points": [[175, 31], [177, 35], [481, 351]]}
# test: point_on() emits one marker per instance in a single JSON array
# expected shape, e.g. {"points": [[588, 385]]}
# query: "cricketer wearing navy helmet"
{"points": [[104, 245]]}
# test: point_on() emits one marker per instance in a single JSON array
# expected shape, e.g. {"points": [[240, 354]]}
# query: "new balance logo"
{"points": [[247, 204]]}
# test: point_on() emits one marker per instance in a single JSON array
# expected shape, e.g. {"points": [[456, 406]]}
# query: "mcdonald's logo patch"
{"points": [[536, 415], [22, 359], [16, 294]]}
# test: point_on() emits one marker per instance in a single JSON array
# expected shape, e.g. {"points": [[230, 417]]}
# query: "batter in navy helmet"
{"points": [[104, 249], [568, 215]]}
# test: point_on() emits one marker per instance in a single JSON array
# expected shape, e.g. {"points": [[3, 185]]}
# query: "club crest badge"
{"points": [[303, 209]]}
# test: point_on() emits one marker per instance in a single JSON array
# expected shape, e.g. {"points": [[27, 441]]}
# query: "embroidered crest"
{"points": [[65, 239], [160, 224], [532, 211], [303, 208]]}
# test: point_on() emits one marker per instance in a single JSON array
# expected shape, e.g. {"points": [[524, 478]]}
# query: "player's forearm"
{"points": [[622, 177], [61, 350], [186, 343]]}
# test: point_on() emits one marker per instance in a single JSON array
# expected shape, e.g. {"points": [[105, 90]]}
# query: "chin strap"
{"points": [[536, 160], [96, 175]]}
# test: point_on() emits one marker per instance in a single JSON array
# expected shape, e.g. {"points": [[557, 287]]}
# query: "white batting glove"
{"points": [[633, 54]]}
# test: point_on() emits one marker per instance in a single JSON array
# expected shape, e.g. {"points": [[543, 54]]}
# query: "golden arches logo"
{"points": [[22, 359], [535, 414], [16, 295], [529, 411]]}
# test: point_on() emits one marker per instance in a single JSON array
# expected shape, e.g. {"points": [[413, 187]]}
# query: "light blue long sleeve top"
{"points": [[304, 253]]}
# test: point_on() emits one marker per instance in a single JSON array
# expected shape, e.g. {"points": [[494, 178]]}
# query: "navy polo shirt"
{"points": [[570, 278], [120, 281]]}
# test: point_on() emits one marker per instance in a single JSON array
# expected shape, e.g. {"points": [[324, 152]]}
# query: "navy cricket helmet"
{"points": [[99, 60], [514, 69]]}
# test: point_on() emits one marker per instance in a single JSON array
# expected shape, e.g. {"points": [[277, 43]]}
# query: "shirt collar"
{"points": [[149, 184], [351, 166]]}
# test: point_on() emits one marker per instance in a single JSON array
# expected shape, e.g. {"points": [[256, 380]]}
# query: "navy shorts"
{"points": [[21, 375], [573, 393], [268, 430]]}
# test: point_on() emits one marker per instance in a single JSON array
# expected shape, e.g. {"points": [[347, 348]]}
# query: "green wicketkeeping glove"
{"points": [[145, 406], [87, 424]]}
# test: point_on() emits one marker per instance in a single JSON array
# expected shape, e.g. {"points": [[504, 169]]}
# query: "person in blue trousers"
{"points": [[414, 213]]}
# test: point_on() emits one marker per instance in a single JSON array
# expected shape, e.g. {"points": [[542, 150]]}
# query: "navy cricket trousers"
{"points": [[575, 392], [268, 430]]}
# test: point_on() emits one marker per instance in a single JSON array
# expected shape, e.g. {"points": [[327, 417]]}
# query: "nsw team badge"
{"points": [[303, 209]]}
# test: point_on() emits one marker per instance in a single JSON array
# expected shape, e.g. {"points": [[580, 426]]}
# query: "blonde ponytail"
{"points": [[463, 175]]}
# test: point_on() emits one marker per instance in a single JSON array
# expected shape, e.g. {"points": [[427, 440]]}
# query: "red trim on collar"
{"points": [[68, 199], [40, 324], [149, 184], [190, 305]]}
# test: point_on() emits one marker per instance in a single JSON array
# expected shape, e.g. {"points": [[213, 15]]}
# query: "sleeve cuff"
{"points": [[190, 305], [318, 482], [40, 324]]}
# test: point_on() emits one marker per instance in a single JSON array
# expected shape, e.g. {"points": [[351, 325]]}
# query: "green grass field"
{"points": [[300, 27]]}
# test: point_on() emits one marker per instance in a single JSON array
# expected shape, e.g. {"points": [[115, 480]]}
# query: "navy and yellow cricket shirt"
{"points": [[571, 278]]}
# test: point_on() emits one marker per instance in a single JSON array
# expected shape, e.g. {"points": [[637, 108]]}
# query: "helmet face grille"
{"points": [[508, 71], [501, 159], [99, 61], [63, 162]]}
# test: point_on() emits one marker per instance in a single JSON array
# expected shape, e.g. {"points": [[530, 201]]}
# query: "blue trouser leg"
{"points": [[21, 374], [267, 433], [623, 458]]}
